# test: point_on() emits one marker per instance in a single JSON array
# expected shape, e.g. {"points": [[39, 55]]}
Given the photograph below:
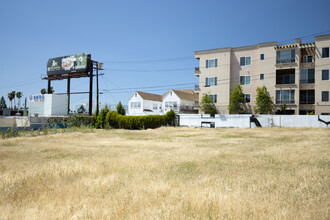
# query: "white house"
{"points": [[142, 103], [180, 101]]}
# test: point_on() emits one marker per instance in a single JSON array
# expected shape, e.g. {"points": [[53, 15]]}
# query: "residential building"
{"points": [[180, 101], [296, 74], [142, 103]]}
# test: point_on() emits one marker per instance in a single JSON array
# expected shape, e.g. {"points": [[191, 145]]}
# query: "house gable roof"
{"points": [[150, 96], [186, 94]]}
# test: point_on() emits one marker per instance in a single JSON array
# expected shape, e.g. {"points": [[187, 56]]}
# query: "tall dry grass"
{"points": [[167, 173]]}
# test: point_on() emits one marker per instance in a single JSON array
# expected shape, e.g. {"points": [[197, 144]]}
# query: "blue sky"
{"points": [[143, 43]]}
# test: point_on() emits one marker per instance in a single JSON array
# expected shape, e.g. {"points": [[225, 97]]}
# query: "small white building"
{"points": [[142, 103], [180, 101], [48, 104]]}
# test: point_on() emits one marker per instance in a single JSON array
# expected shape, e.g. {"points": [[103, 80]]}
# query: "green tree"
{"points": [[207, 105], [264, 103], [43, 91], [19, 95], [11, 96], [3, 103], [237, 101], [120, 109]]}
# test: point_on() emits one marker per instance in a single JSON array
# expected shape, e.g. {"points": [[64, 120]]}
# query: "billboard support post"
{"points": [[68, 92], [91, 89], [49, 86]]}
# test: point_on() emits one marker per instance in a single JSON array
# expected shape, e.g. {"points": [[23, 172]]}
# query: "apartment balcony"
{"points": [[197, 71], [285, 78], [197, 89]]}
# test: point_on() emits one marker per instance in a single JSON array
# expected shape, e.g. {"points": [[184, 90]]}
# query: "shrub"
{"points": [[100, 119], [115, 120]]}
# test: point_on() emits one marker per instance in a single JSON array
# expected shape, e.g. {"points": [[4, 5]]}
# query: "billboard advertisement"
{"points": [[68, 64]]}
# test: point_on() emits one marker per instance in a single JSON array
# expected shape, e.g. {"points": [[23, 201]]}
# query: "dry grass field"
{"points": [[167, 173]]}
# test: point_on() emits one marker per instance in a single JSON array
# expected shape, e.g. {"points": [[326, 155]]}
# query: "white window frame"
{"points": [[214, 98], [305, 59], [207, 64], [214, 81], [322, 53], [322, 96], [245, 61], [328, 75], [135, 105], [244, 80]]}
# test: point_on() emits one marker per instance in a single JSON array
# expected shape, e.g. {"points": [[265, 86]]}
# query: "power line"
{"points": [[150, 61]]}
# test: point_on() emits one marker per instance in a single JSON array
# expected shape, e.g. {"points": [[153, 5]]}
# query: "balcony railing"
{"points": [[278, 61]]}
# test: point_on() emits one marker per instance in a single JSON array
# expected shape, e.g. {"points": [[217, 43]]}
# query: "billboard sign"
{"points": [[68, 64]]}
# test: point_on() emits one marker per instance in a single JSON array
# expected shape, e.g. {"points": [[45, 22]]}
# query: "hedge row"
{"points": [[71, 121], [115, 120]]}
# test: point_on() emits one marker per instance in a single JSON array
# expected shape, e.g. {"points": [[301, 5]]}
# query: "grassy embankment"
{"points": [[167, 173]]}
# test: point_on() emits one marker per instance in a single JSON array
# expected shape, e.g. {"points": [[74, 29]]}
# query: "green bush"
{"points": [[115, 120], [100, 119], [80, 120]]}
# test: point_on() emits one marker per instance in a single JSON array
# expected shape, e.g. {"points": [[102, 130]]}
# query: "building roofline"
{"points": [[322, 37]]}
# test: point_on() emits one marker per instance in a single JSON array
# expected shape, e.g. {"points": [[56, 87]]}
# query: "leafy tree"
{"points": [[11, 96], [120, 109], [43, 91], [237, 101], [19, 95], [264, 103], [3, 103], [207, 105]]}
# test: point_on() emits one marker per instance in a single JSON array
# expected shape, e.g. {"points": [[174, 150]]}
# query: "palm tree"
{"points": [[11, 96], [19, 95]]}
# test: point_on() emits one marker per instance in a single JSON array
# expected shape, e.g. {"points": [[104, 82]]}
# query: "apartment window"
{"points": [[211, 81], [285, 96], [262, 56], [308, 59], [171, 104], [245, 61], [262, 76], [325, 52], [213, 97], [135, 104], [307, 97], [285, 56], [325, 75], [211, 63], [245, 80], [307, 76], [325, 96], [247, 98]]}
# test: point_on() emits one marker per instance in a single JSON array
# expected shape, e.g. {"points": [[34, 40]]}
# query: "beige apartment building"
{"points": [[296, 74]]}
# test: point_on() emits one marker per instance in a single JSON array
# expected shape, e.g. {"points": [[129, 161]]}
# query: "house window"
{"points": [[211, 63], [211, 81], [285, 96], [262, 76], [135, 104], [213, 97], [262, 56], [307, 76], [135, 94], [307, 97], [308, 59], [247, 98], [171, 105], [154, 106], [325, 75], [325, 52], [245, 61], [245, 80], [325, 96], [285, 56]]}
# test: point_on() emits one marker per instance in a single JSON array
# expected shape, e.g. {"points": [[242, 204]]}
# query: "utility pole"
{"points": [[98, 67]]}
